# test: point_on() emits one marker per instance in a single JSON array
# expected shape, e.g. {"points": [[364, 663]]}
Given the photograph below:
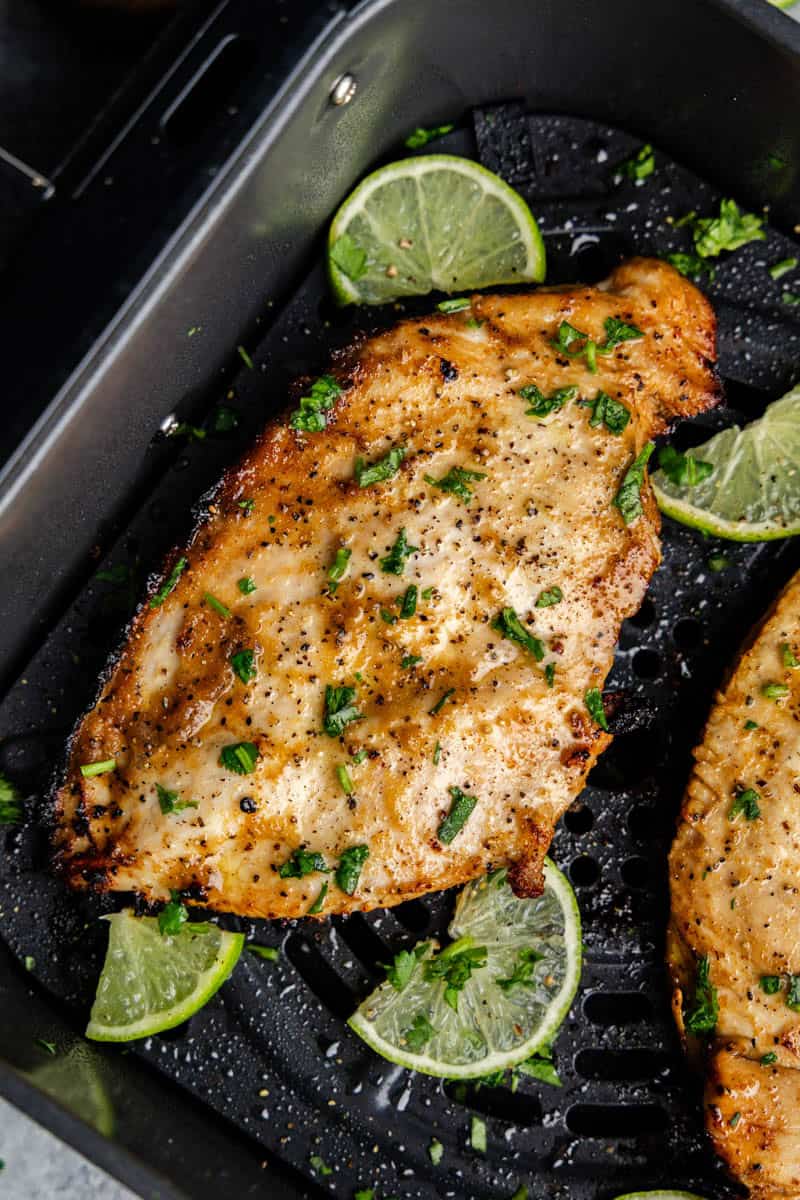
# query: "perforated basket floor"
{"points": [[272, 1053]]}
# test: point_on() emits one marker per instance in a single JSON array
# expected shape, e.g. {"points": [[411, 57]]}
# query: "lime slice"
{"points": [[783, 3], [660, 1195], [753, 493], [436, 222], [73, 1081], [495, 1025], [150, 983]]}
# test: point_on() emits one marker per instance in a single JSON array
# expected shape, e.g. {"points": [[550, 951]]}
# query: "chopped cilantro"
{"points": [[770, 984], [170, 802], [641, 164], [565, 340], [389, 618], [767, 1060], [683, 469], [408, 603], [120, 573], [410, 660], [170, 583], [318, 1165], [10, 802], [343, 775], [225, 419], [460, 812], [172, 916], [593, 700], [310, 415], [246, 506], [349, 869], [790, 298], [349, 257], [437, 753], [244, 665], [302, 862], [541, 1068], [618, 331], [421, 136], [246, 585], [245, 357], [455, 305], [359, 757], [788, 656], [394, 563], [550, 674], [419, 1033], [477, 1134], [541, 405], [793, 993], [48, 1047], [440, 703], [521, 1193], [510, 626], [183, 429], [728, 231], [549, 597], [216, 604], [783, 267], [363, 1193], [270, 953], [750, 725], [316, 907], [522, 971], [89, 770], [382, 469], [426, 593], [629, 496], [338, 568], [401, 968], [240, 757], [456, 482], [775, 691], [745, 802], [690, 265], [340, 710], [454, 966], [701, 1017], [435, 1151], [718, 562], [607, 411]]}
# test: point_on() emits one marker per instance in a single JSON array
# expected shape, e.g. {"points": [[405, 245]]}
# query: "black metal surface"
{"points": [[272, 1054]]}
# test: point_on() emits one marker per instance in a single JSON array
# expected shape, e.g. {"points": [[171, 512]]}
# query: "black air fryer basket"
{"points": [[266, 1091]]}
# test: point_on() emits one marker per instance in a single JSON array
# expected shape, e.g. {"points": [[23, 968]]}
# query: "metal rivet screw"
{"points": [[343, 90]]}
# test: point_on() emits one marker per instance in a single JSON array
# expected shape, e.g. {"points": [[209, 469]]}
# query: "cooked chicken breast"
{"points": [[734, 939], [375, 670]]}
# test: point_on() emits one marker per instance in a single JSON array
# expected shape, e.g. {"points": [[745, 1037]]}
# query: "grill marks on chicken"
{"points": [[436, 662], [736, 909]]}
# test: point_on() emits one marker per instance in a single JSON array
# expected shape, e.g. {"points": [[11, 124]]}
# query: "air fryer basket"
{"points": [[271, 1058]]}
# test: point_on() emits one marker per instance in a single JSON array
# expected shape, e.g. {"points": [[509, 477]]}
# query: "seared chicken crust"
{"points": [[736, 907], [467, 674]]}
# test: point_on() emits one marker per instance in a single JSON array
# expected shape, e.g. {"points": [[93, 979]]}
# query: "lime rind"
{"points": [[494, 1029], [435, 223], [150, 983], [753, 492]]}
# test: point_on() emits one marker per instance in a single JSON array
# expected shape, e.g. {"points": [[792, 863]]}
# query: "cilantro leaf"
{"points": [[775, 691], [408, 602], [90, 770], [172, 916], [522, 972], [456, 482], [338, 568], [302, 862], [170, 802], [629, 496], [541, 405], [641, 164], [246, 585], [701, 1017], [349, 257], [421, 136], [510, 626], [770, 984], [10, 803], [239, 757], [565, 343], [788, 657], [454, 966], [170, 583], [594, 702], [690, 265], [349, 869], [244, 665], [457, 304], [382, 469], [310, 416], [783, 267], [460, 812], [607, 411], [440, 703], [340, 710], [316, 907], [793, 993], [617, 331], [745, 802], [394, 563], [401, 968], [683, 469], [419, 1033], [270, 953]]}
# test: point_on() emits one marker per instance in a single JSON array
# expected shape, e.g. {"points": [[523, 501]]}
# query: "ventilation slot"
{"points": [[320, 977], [370, 949], [414, 915], [621, 1066], [630, 758], [616, 1120], [617, 1008], [513, 1108]]}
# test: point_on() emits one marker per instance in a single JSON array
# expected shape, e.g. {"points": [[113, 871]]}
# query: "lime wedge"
{"points": [[660, 1195], [753, 492], [73, 1081], [496, 1023], [150, 983], [436, 222]]}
